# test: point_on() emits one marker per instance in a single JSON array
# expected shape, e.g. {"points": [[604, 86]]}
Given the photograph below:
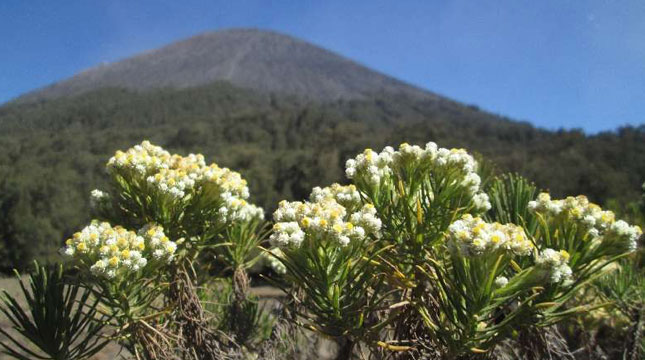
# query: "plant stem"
{"points": [[241, 285], [199, 342]]}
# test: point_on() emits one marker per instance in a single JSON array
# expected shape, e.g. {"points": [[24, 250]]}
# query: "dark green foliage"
{"points": [[624, 287], [53, 152], [641, 203], [248, 323], [61, 319], [509, 196]]}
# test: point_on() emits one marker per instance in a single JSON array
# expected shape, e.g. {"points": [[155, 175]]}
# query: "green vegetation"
{"points": [[53, 152], [420, 256], [61, 320]]}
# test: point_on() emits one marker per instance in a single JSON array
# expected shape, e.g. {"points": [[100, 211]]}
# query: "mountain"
{"points": [[260, 60]]}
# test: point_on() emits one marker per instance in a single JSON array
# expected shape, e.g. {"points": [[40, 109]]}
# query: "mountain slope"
{"points": [[259, 60]]}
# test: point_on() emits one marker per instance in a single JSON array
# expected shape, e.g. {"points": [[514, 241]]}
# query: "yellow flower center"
{"points": [[114, 261], [122, 242]]}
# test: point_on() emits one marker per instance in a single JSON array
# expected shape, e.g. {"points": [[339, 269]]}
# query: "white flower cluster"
{"points": [[554, 264], [179, 176], [173, 181], [370, 165], [373, 167], [114, 251], [158, 243], [622, 237], [191, 163], [367, 219], [472, 236], [225, 180], [409, 154], [501, 281], [142, 158], [238, 209], [576, 208], [347, 196], [599, 224], [481, 201], [287, 233], [98, 197], [323, 218]]}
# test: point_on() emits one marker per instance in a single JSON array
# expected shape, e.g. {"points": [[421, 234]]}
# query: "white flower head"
{"points": [[501, 281]]}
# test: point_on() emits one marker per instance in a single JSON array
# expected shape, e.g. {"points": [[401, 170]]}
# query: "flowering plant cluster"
{"points": [[183, 211], [598, 227], [554, 264], [183, 183], [472, 236], [457, 269], [116, 252], [313, 240], [174, 174], [334, 215], [416, 167]]}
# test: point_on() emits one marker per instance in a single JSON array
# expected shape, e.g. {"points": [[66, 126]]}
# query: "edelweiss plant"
{"points": [[181, 214], [193, 200], [326, 246], [120, 267], [576, 240], [418, 193], [448, 279]]}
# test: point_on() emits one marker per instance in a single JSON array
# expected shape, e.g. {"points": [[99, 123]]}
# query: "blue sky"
{"points": [[555, 63]]}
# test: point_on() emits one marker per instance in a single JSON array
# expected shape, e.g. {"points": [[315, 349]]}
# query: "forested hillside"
{"points": [[53, 152]]}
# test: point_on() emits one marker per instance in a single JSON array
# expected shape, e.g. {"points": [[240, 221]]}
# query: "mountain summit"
{"points": [[264, 61]]}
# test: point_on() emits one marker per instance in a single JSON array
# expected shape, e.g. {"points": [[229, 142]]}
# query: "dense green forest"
{"points": [[53, 152]]}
